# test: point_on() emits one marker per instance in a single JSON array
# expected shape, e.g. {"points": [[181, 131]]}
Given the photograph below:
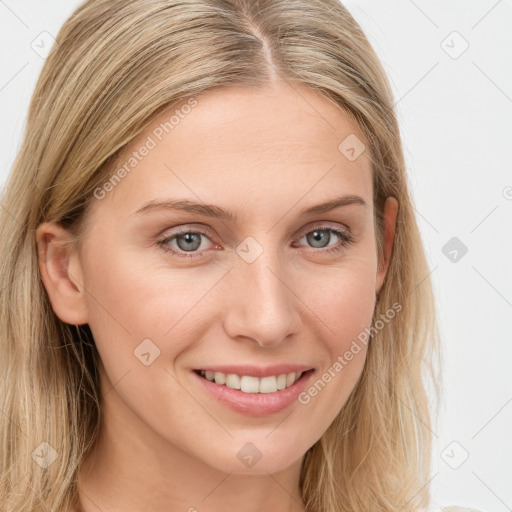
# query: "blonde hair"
{"points": [[115, 66]]}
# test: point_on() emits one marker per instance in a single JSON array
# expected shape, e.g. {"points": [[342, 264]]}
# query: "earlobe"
{"points": [[390, 216], [61, 273]]}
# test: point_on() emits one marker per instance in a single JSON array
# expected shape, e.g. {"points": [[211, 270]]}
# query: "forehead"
{"points": [[275, 145]]}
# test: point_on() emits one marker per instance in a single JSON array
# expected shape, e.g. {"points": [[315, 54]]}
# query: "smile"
{"points": [[269, 393], [250, 384]]}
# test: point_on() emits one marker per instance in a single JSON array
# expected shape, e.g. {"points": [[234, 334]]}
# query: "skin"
{"points": [[165, 444]]}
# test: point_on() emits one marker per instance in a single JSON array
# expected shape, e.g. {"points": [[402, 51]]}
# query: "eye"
{"points": [[187, 241], [321, 236]]}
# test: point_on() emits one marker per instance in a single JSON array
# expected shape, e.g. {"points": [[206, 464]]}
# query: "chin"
{"points": [[258, 457]]}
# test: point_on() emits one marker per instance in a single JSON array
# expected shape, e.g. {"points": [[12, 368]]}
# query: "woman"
{"points": [[214, 289]]}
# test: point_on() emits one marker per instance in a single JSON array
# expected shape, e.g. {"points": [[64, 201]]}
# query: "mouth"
{"points": [[253, 384], [273, 390]]}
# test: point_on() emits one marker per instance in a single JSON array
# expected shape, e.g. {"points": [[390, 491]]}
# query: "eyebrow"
{"points": [[213, 211]]}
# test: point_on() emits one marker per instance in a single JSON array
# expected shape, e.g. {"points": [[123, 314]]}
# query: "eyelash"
{"points": [[346, 240]]}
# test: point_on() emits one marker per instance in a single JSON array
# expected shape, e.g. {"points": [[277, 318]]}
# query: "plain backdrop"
{"points": [[449, 64]]}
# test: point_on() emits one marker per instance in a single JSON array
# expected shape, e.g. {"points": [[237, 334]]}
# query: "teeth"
{"points": [[249, 384], [281, 381], [290, 379], [233, 381], [220, 378], [268, 385]]}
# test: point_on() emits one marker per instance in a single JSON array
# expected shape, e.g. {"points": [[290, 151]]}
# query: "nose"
{"points": [[263, 306]]}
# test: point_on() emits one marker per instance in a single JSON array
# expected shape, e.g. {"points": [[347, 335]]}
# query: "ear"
{"points": [[390, 215], [61, 273]]}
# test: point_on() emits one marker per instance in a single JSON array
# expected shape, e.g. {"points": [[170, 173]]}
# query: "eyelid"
{"points": [[187, 228], [325, 225]]}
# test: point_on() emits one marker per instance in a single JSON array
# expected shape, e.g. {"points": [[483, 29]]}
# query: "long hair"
{"points": [[115, 65]]}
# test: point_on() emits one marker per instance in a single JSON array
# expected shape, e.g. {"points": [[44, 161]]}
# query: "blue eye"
{"points": [[188, 242]]}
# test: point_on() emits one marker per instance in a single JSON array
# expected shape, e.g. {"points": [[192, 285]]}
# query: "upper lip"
{"points": [[257, 371]]}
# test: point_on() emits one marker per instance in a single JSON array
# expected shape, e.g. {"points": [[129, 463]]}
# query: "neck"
{"points": [[131, 467]]}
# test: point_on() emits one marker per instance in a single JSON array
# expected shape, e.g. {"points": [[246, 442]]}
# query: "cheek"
{"points": [[342, 310], [347, 300], [132, 299], [142, 318], [342, 299]]}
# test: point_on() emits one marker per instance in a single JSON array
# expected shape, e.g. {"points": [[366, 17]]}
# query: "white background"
{"points": [[455, 116]]}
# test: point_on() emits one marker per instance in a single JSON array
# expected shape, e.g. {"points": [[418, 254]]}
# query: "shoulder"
{"points": [[460, 509], [453, 508]]}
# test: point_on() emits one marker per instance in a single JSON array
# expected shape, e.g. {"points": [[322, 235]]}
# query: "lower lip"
{"points": [[256, 404]]}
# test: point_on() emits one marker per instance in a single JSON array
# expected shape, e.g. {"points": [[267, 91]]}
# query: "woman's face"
{"points": [[261, 282]]}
